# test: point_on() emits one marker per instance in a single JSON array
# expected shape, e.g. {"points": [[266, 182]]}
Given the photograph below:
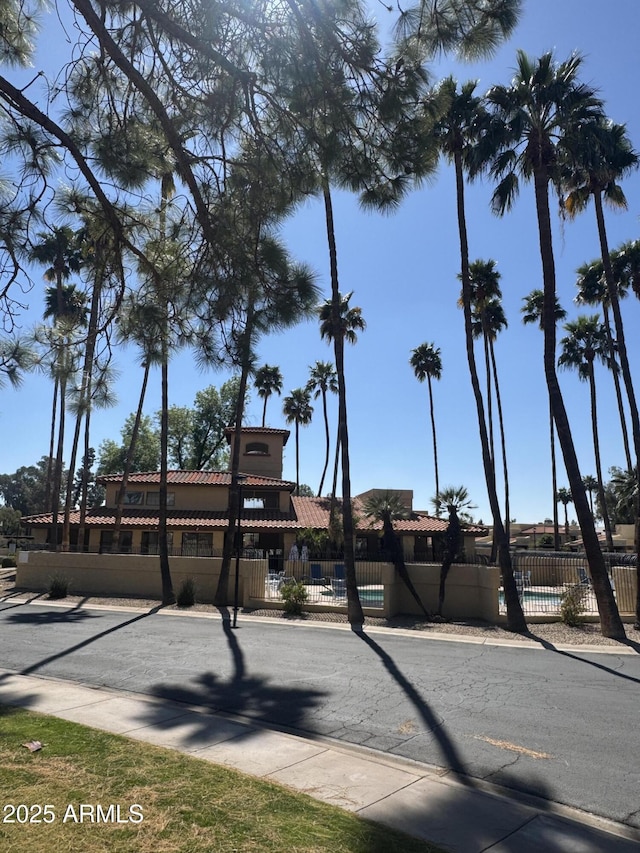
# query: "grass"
{"points": [[188, 805]]}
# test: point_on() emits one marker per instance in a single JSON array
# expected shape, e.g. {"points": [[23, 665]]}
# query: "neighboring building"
{"points": [[272, 517]]}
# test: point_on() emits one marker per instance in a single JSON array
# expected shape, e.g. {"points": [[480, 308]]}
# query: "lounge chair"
{"points": [[316, 578], [585, 580], [339, 588], [338, 571], [519, 579]]}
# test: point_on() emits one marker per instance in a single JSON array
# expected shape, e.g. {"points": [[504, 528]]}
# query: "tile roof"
{"points": [[314, 512], [306, 512], [260, 431], [197, 478], [142, 519]]}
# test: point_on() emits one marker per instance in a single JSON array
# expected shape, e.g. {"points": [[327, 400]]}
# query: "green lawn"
{"points": [[187, 805]]}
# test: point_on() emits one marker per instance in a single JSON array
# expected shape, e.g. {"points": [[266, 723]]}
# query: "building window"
{"points": [[257, 448], [153, 498], [266, 500], [197, 544], [149, 543], [133, 498]]}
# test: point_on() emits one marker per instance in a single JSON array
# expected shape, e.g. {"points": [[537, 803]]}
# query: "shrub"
{"points": [[294, 594], [58, 586], [186, 596], [573, 605], [8, 562]]}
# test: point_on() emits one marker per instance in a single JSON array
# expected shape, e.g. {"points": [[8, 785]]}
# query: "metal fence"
{"points": [[324, 581], [545, 578]]}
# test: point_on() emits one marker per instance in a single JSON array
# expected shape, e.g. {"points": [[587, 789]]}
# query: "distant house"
{"points": [[272, 517]]}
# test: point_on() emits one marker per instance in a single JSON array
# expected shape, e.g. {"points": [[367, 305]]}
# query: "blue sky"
{"points": [[403, 269]]}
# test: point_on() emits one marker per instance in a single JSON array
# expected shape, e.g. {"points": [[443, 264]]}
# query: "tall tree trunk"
{"points": [[327, 441], [612, 290], [84, 485], [84, 400], [221, 598], [297, 457], [503, 443], [515, 617], [435, 444], [354, 607], [554, 482], [57, 469], [616, 382], [264, 410], [397, 555], [610, 622], [596, 453], [163, 544], [52, 444], [118, 536]]}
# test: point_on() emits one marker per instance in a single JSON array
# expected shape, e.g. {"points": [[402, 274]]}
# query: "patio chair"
{"points": [[584, 579], [273, 583], [339, 589], [316, 576], [519, 579], [338, 571]]}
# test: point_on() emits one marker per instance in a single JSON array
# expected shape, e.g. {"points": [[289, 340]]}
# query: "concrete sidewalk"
{"points": [[460, 816]]}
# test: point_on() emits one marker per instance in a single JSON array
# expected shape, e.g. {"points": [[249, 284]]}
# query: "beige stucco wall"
{"points": [[471, 592], [212, 498], [268, 465], [123, 575]]}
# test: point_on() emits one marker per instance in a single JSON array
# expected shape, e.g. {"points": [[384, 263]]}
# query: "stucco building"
{"points": [[272, 516]]}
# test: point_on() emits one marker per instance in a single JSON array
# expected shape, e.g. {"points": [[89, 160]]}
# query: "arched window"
{"points": [[257, 448]]}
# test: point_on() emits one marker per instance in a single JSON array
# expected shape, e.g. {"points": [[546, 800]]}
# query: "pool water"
{"points": [[531, 598]]}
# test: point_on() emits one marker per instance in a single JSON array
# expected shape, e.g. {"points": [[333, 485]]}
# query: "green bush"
{"points": [[186, 596], [58, 586], [8, 562], [294, 594], [573, 605]]}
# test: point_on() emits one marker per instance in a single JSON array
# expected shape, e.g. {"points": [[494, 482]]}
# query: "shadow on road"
{"points": [[251, 696], [29, 670], [529, 784], [551, 648]]}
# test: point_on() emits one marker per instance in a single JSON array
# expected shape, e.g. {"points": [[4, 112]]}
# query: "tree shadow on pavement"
{"points": [[451, 755], [41, 664], [564, 653], [48, 617], [253, 697]]}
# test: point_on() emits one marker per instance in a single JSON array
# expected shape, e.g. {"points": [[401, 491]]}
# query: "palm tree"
{"points": [[291, 297], [350, 322], [458, 131], [141, 322], [267, 381], [339, 323], [456, 500], [532, 313], [387, 507], [323, 378], [598, 156], [592, 290], [533, 117], [587, 341], [564, 496], [72, 302], [427, 364], [591, 485], [297, 409], [488, 320]]}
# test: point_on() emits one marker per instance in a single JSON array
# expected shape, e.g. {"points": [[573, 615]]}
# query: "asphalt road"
{"points": [[562, 725]]}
